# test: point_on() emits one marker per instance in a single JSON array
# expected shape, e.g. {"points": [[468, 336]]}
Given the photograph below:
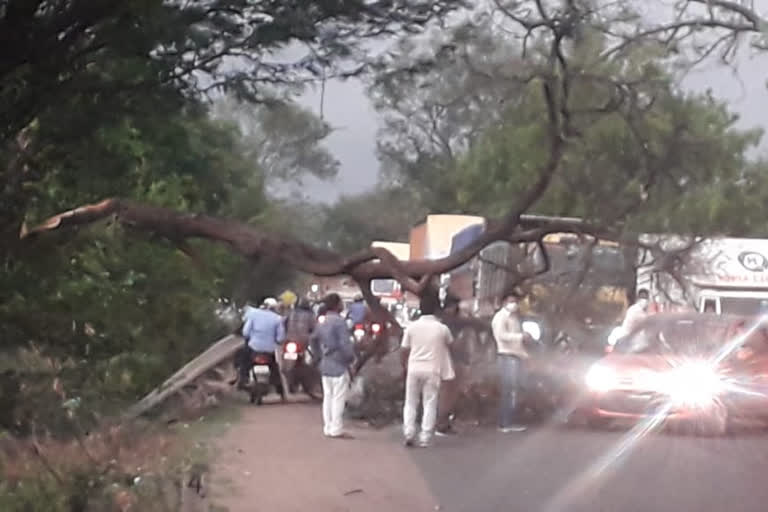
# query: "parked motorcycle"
{"points": [[299, 370]]}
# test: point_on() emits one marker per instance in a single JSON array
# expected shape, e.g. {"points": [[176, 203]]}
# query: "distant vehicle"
{"points": [[726, 276], [578, 288], [389, 291], [688, 370]]}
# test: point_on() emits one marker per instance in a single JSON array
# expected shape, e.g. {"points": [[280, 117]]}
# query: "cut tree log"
{"points": [[219, 352]]}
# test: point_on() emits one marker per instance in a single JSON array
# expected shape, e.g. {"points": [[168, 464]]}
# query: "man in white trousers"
{"points": [[425, 352], [331, 343]]}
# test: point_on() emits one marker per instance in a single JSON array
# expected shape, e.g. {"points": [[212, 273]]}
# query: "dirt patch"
{"points": [[276, 458]]}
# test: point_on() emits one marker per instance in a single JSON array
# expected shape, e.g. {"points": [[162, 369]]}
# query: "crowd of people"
{"points": [[434, 366]]}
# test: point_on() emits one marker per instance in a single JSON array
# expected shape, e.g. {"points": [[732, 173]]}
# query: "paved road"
{"points": [[546, 469], [575, 470]]}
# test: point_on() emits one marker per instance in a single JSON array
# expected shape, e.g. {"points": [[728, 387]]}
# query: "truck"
{"points": [[389, 290], [433, 238], [576, 268], [583, 293], [720, 275]]}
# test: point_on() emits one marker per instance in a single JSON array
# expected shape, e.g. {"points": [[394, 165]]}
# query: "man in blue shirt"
{"points": [[357, 310], [264, 331], [331, 343]]}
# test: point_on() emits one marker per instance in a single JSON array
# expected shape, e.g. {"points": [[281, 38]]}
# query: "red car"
{"points": [[698, 372]]}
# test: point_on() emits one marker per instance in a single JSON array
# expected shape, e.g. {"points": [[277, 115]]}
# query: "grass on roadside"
{"points": [[143, 466]]}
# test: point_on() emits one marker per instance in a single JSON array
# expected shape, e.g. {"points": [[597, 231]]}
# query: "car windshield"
{"points": [[683, 337], [744, 306]]}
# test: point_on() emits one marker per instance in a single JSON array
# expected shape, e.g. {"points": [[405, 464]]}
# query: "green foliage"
{"points": [[383, 214], [434, 107], [283, 138], [127, 468], [106, 98], [676, 169], [125, 50], [122, 309], [92, 301], [658, 160]]}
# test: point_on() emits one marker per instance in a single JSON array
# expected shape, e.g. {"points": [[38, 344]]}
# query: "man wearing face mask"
{"points": [[511, 356]]}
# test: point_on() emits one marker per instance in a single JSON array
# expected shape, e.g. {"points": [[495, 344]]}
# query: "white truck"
{"points": [[717, 275]]}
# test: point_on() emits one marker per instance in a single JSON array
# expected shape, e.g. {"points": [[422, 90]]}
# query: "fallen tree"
{"points": [[558, 74], [556, 70]]}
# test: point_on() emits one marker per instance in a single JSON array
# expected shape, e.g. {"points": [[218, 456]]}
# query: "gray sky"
{"points": [[353, 142], [348, 110], [745, 91]]}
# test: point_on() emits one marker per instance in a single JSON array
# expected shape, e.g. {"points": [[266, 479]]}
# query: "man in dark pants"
{"points": [[264, 331], [450, 390]]}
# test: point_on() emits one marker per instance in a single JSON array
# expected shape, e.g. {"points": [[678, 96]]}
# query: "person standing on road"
{"points": [[332, 344], [450, 390], [511, 356], [425, 355], [264, 331]]}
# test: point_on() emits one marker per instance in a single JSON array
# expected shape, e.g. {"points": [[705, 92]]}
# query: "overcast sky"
{"points": [[348, 110], [353, 142]]}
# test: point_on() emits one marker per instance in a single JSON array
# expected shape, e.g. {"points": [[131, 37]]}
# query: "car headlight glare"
{"points": [[601, 378], [693, 384]]}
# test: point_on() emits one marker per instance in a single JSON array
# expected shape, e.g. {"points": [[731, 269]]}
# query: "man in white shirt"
{"points": [[511, 356], [636, 313], [425, 351]]}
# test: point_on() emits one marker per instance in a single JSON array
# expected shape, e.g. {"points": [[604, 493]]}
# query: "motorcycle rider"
{"points": [[299, 325], [511, 356], [357, 311], [300, 322], [264, 331]]}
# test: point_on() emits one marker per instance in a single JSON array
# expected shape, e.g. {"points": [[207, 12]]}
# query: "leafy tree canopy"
{"points": [[653, 158]]}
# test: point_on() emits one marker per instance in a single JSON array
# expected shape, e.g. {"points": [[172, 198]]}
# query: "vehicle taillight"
{"points": [[321, 319], [358, 326], [376, 328], [260, 360], [291, 347]]}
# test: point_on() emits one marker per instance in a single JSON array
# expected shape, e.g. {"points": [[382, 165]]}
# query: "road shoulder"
{"points": [[275, 458]]}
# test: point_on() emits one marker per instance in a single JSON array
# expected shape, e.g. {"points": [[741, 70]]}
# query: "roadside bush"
{"points": [[118, 469]]}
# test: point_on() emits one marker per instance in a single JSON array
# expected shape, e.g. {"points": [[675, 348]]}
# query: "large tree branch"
{"points": [[732, 17], [253, 243]]}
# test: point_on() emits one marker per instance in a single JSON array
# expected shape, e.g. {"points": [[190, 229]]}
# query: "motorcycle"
{"points": [[360, 331], [259, 378], [299, 370]]}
